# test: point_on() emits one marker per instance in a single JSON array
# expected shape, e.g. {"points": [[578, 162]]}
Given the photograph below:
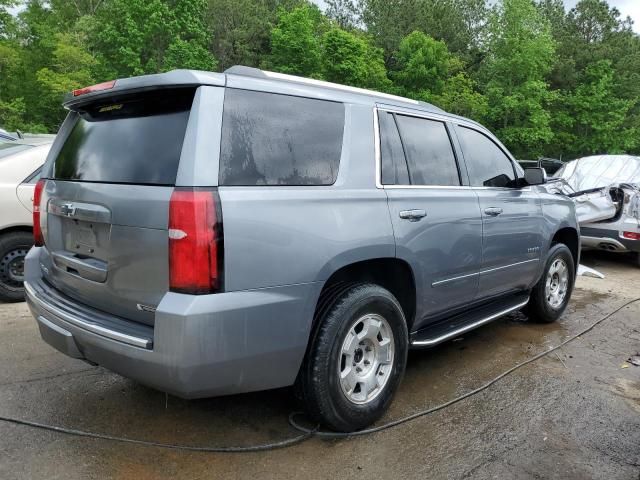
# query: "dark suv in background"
{"points": [[210, 234]]}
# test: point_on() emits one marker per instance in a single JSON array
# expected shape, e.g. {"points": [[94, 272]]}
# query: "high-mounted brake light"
{"points": [[94, 88], [38, 239], [196, 246], [631, 235]]}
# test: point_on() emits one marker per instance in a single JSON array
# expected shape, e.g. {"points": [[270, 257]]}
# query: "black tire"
{"points": [[318, 383], [539, 308], [13, 248], [636, 258]]}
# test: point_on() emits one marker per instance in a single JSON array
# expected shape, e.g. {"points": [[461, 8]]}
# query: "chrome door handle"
{"points": [[412, 215], [493, 211]]}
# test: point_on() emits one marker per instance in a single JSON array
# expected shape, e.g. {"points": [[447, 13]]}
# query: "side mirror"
{"points": [[535, 176]]}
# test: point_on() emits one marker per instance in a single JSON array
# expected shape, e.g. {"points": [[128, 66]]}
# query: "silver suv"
{"points": [[209, 234]]}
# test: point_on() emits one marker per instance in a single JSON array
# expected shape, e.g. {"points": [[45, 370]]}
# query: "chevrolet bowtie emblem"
{"points": [[67, 209]]}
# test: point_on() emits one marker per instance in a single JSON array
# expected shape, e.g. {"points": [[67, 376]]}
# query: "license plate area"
{"points": [[85, 238]]}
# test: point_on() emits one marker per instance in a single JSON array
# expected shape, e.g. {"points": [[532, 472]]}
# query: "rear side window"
{"points": [[487, 163], [394, 165], [271, 139], [130, 140], [429, 152]]}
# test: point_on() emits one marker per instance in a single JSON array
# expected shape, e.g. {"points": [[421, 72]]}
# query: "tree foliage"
{"points": [[296, 41], [549, 81], [521, 54]]}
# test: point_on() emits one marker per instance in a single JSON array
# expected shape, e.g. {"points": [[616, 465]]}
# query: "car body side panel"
{"points": [[559, 212], [289, 235], [512, 241], [201, 148], [444, 248], [14, 197]]}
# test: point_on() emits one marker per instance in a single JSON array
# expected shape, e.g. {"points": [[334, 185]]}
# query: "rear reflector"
{"points": [[94, 88], [631, 235], [195, 241], [38, 239]]}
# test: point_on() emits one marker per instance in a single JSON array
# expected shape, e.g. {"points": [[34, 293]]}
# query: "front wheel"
{"points": [[356, 360], [550, 296]]}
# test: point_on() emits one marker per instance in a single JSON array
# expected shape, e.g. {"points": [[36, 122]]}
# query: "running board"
{"points": [[457, 325]]}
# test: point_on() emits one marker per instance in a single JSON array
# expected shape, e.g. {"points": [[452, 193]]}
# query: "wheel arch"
{"points": [[16, 228], [570, 237], [391, 273]]}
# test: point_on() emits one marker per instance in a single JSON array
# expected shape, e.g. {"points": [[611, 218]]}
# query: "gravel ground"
{"points": [[574, 415]]}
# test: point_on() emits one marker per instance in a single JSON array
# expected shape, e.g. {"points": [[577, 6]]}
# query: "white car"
{"points": [[20, 165], [606, 190]]}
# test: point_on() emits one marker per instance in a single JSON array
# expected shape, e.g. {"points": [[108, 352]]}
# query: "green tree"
{"points": [[296, 41], [241, 30], [521, 53], [71, 68], [346, 13], [135, 37], [349, 59], [461, 97], [422, 65], [459, 23], [7, 22], [596, 117], [426, 70]]}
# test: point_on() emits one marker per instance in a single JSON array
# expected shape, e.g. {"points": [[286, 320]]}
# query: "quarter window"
{"points": [[271, 139], [394, 165], [428, 150], [488, 165]]}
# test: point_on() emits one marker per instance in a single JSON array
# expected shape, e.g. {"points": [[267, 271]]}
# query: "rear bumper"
{"points": [[608, 239], [200, 346]]}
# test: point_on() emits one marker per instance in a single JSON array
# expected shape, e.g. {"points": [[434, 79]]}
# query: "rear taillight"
{"points": [[631, 235], [94, 88], [195, 241], [38, 239]]}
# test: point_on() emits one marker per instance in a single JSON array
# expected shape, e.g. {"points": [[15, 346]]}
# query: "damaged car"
{"points": [[606, 191]]}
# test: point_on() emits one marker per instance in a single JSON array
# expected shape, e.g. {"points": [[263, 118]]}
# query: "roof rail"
{"points": [[245, 71], [257, 73]]}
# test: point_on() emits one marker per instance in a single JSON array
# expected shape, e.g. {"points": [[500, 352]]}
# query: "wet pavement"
{"points": [[571, 415]]}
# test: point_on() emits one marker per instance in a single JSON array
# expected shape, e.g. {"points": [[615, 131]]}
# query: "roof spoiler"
{"points": [[172, 79]]}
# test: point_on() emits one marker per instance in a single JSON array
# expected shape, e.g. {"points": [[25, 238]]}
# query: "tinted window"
{"points": [[136, 140], [488, 165], [429, 152], [394, 165], [270, 139]]}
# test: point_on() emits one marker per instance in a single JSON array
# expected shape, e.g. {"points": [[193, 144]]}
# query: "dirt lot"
{"points": [[575, 415]]}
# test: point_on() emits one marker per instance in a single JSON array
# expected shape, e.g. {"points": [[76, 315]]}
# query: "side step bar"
{"points": [[457, 325]]}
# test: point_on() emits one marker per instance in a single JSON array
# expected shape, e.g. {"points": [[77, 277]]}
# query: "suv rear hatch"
{"points": [[105, 208]]}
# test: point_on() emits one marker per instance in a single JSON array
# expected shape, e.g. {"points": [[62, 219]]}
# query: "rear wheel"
{"points": [[14, 247], [356, 360], [550, 296]]}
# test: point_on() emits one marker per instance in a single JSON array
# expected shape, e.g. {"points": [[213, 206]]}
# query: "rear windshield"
{"points": [[128, 140], [272, 139]]}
